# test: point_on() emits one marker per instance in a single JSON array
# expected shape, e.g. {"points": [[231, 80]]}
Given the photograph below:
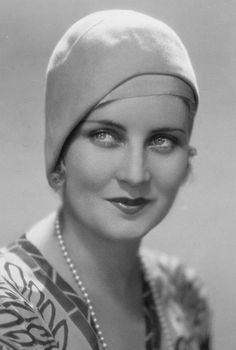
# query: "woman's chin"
{"points": [[125, 230]]}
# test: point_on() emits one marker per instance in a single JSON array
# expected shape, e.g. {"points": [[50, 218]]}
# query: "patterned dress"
{"points": [[39, 310]]}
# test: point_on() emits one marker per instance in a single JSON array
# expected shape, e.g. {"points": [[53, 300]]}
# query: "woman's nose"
{"points": [[134, 168]]}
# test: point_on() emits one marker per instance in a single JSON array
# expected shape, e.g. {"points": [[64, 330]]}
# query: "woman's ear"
{"points": [[58, 177], [192, 152]]}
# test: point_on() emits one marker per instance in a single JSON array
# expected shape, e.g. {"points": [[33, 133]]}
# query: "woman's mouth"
{"points": [[129, 205]]}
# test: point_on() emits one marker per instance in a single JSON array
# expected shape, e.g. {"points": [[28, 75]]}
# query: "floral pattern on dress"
{"points": [[186, 304], [184, 301], [27, 317]]}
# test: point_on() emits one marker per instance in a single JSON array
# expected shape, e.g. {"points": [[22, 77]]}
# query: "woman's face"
{"points": [[126, 164]]}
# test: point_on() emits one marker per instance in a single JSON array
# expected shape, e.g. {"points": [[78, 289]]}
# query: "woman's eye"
{"points": [[105, 138], [162, 143]]}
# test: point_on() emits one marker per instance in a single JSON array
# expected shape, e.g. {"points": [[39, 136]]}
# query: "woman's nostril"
{"points": [[135, 170]]}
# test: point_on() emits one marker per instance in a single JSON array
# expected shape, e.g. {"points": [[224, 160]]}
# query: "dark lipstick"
{"points": [[129, 205]]}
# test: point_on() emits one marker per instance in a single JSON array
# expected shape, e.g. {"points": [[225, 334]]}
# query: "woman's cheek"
{"points": [[92, 169], [171, 173]]}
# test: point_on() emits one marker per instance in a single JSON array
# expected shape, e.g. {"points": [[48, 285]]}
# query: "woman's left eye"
{"points": [[162, 143]]}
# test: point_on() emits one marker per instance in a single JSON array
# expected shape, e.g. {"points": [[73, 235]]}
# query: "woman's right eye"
{"points": [[105, 138]]}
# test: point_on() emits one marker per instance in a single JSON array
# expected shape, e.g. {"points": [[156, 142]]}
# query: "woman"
{"points": [[121, 97]]}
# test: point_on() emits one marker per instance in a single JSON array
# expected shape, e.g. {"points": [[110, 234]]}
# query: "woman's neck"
{"points": [[102, 262]]}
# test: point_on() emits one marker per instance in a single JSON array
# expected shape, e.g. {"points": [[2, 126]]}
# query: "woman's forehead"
{"points": [[147, 111]]}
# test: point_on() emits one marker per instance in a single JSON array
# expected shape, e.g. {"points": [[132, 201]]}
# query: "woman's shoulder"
{"points": [[29, 316], [182, 293], [12, 266], [173, 276]]}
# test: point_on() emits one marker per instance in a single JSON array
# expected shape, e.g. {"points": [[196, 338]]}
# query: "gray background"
{"points": [[200, 227]]}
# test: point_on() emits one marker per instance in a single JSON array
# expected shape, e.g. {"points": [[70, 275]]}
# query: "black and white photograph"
{"points": [[118, 175]]}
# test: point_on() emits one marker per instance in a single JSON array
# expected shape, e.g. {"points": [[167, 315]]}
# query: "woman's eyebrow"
{"points": [[168, 129], [107, 123], [121, 127]]}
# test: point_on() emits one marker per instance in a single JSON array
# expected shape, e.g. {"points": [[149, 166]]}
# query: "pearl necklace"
{"points": [[150, 280], [79, 283]]}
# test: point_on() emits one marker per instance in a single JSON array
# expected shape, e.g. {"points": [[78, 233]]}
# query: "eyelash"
{"points": [[170, 140], [117, 139]]}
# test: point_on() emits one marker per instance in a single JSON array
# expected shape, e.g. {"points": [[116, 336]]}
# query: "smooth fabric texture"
{"points": [[152, 85], [96, 55], [39, 310], [148, 85]]}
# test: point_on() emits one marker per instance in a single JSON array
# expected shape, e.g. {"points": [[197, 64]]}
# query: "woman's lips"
{"points": [[129, 205]]}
